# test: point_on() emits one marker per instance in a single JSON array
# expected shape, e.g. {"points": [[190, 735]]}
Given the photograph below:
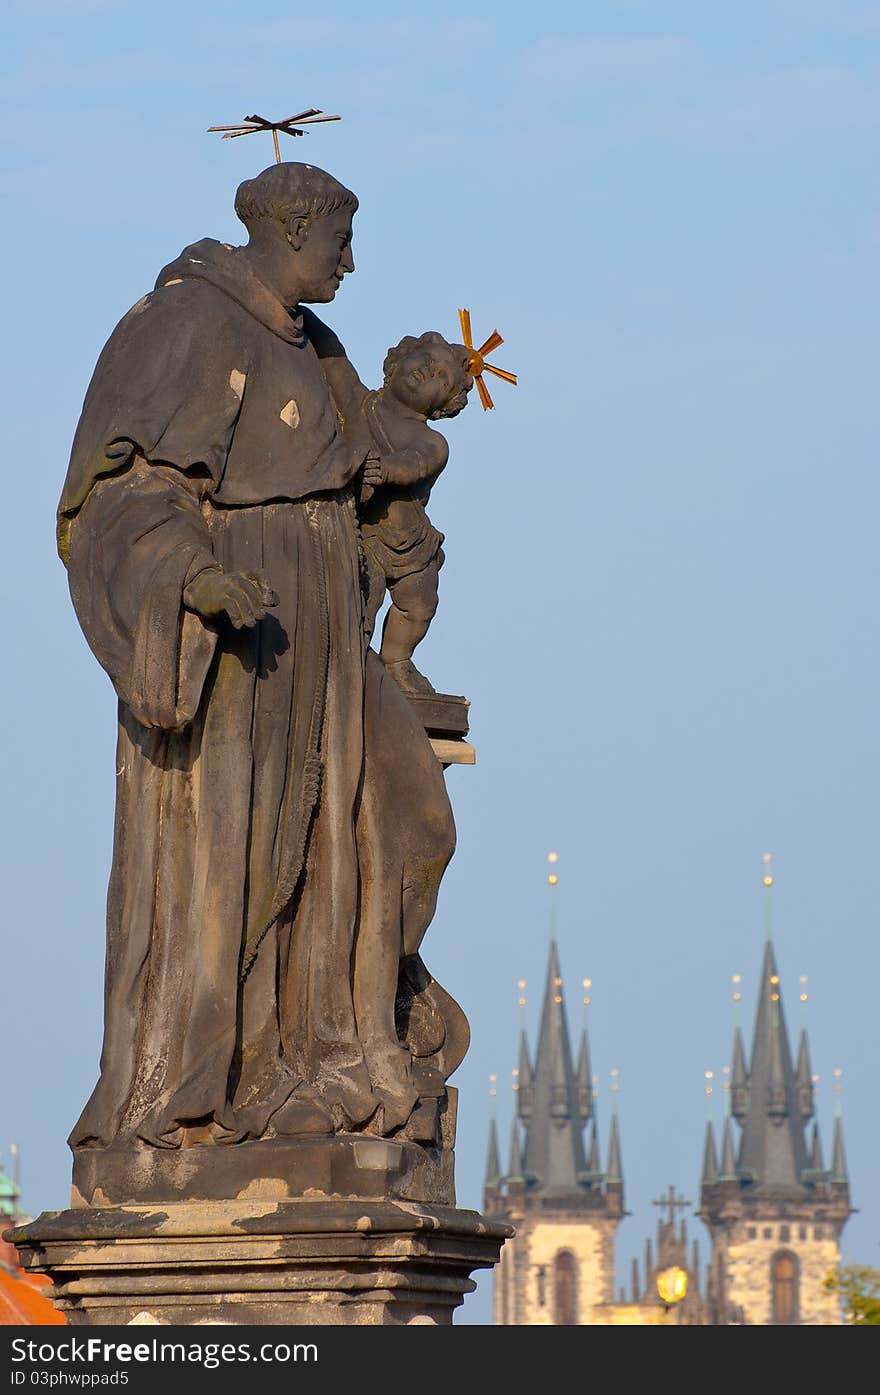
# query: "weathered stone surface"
{"points": [[294, 1262], [276, 1169]]}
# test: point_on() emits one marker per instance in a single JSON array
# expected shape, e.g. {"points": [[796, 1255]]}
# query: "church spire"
{"points": [[515, 1171], [614, 1178], [493, 1163], [839, 1173], [525, 1081], [739, 1079], [554, 1152], [773, 1152], [584, 1076], [710, 1161], [804, 1076], [594, 1162], [727, 1171], [817, 1161]]}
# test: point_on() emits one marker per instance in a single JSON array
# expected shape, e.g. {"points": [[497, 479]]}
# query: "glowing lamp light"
{"points": [[672, 1284]]}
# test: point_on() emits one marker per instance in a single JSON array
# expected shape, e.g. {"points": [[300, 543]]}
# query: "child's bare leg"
{"points": [[413, 605]]}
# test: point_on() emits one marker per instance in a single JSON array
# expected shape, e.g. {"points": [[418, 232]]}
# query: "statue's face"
{"points": [[432, 383], [323, 254]]}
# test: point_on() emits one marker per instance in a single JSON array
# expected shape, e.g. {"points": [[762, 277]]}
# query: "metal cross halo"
{"points": [[478, 364], [291, 126]]}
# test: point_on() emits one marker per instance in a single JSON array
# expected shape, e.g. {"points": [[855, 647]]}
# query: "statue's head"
{"points": [[429, 375], [300, 217]]}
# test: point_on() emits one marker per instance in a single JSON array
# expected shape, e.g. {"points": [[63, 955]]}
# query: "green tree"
{"points": [[859, 1289]]}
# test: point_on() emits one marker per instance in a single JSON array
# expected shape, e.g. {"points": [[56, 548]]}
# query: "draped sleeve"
{"points": [[136, 543], [167, 387]]}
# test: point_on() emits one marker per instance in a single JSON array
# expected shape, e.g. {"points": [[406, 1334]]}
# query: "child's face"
{"points": [[433, 384]]}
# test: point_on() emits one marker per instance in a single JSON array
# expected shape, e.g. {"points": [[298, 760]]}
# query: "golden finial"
{"points": [[291, 126], [478, 364], [768, 863], [588, 983]]}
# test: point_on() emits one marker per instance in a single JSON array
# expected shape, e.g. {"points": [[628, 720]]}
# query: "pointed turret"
{"points": [[804, 1078], [636, 1287], [739, 1079], [554, 1153], [710, 1159], [773, 1152], [649, 1263], [525, 1082], [594, 1163], [493, 1164], [615, 1167], [584, 1080], [727, 1170], [515, 1171], [817, 1161], [839, 1174], [614, 1177]]}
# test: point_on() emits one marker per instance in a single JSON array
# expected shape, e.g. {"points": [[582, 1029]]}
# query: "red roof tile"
{"points": [[22, 1302]]}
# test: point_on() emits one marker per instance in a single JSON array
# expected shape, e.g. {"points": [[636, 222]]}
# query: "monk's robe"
{"points": [[209, 438]]}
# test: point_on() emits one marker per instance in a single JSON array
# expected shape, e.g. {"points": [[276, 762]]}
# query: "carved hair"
{"points": [[429, 340], [289, 188]]}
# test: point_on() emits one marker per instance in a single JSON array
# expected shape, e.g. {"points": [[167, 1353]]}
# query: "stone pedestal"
{"points": [[302, 1262], [350, 1229]]}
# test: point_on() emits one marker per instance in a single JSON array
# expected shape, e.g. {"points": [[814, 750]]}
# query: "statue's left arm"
{"points": [[346, 388]]}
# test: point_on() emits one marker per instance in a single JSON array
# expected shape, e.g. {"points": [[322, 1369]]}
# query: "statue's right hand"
{"points": [[244, 597], [374, 470]]}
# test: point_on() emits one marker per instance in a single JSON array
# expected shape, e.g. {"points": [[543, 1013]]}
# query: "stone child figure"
{"points": [[426, 379]]}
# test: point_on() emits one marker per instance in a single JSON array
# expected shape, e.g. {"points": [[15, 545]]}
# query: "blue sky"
{"points": [[662, 578]]}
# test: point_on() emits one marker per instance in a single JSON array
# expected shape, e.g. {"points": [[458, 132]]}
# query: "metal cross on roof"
{"points": [[671, 1201], [291, 126]]}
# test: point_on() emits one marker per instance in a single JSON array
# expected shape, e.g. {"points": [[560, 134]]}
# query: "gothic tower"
{"points": [[560, 1262], [774, 1211]]}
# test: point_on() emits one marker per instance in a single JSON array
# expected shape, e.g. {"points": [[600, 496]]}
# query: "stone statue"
{"points": [[271, 1137], [282, 822]]}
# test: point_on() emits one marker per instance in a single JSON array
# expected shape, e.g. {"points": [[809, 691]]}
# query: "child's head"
{"points": [[429, 375]]}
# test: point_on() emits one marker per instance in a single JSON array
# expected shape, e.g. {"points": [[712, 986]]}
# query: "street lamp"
{"points": [[672, 1286]]}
